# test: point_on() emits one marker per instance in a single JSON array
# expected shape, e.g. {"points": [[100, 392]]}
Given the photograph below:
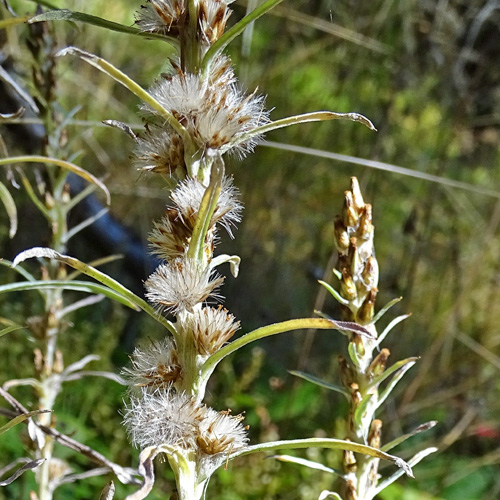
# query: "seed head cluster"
{"points": [[205, 115], [216, 114], [175, 419]]}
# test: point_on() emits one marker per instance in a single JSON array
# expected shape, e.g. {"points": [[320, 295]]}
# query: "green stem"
{"points": [[206, 211]]}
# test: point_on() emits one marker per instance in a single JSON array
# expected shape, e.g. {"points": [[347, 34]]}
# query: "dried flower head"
{"points": [[161, 16], [215, 112], [211, 328], [180, 284], [161, 151], [188, 195], [219, 432], [155, 366], [163, 417], [212, 19], [170, 236]]}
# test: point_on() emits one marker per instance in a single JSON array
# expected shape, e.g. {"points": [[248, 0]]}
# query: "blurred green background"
{"points": [[427, 74]]}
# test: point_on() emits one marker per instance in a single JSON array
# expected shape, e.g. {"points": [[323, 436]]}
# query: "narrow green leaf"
{"points": [[117, 75], [70, 15], [9, 329], [393, 382], [307, 463], [10, 207], [393, 368], [404, 437], [351, 349], [386, 308], [336, 295], [95, 263], [335, 444], [321, 383], [60, 163], [34, 198], [390, 326], [266, 331], [414, 461], [78, 286], [19, 269], [98, 276], [6, 77], [234, 32], [19, 419], [12, 21], [360, 411], [205, 212], [82, 17], [317, 116]]}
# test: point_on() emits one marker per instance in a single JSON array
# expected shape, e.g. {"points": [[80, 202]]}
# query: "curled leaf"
{"points": [[12, 116]]}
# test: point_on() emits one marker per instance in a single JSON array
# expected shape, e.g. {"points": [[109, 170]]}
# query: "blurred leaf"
{"points": [[320, 382], [7, 78], [78, 286], [10, 207], [84, 174], [9, 329], [30, 465], [70, 15], [404, 437], [19, 419], [12, 116], [307, 463]]}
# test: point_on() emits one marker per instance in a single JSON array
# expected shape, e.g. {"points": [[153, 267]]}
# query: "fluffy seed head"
{"points": [[170, 237], [155, 366], [212, 19], [180, 284], [161, 16], [211, 328], [188, 195], [215, 112], [220, 432], [163, 417], [161, 151]]}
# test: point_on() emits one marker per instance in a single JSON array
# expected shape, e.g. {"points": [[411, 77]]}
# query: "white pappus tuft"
{"points": [[155, 366], [180, 285]]}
